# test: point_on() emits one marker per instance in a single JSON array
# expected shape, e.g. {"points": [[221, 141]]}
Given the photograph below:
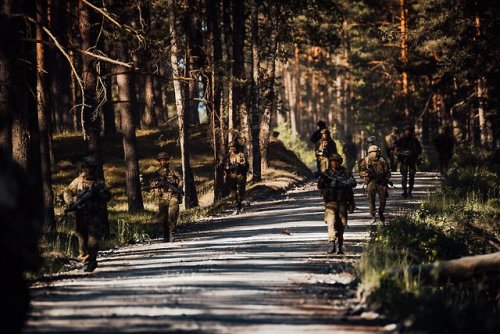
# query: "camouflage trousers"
{"points": [[322, 164], [89, 232], [392, 159], [372, 190], [237, 185], [336, 220], [408, 170], [168, 212]]}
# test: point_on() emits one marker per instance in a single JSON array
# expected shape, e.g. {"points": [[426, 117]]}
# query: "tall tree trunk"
{"points": [[404, 56], [191, 197], [239, 117], [227, 134], [270, 94], [297, 92], [43, 120], [149, 116], [133, 185], [255, 158], [6, 97]]}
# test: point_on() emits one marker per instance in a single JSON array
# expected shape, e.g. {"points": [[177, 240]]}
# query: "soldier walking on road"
{"points": [[444, 143], [376, 172], [316, 136], [167, 186], [323, 149], [86, 196], [236, 168], [408, 151], [336, 188], [351, 153], [390, 146]]}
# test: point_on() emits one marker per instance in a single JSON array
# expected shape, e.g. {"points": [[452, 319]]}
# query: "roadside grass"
{"points": [[60, 247], [459, 219]]}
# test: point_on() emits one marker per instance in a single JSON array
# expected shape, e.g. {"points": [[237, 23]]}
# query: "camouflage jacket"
{"points": [[325, 148], [391, 140], [162, 178], [336, 185], [97, 200], [375, 170], [408, 148], [236, 164]]}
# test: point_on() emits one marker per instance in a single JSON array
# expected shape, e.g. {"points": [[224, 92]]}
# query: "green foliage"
{"points": [[296, 144], [457, 220]]}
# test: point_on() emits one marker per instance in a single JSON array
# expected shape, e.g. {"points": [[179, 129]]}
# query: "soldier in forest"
{"points": [[87, 196], [336, 188], [351, 153], [236, 168], [20, 214], [408, 151], [376, 172], [323, 149], [167, 187], [390, 146], [444, 143], [316, 136]]}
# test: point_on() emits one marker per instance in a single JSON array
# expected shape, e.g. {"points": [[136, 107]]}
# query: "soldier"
{"points": [[21, 215], [376, 172], [167, 187], [323, 149], [351, 153], [444, 143], [316, 136], [408, 150], [336, 188], [236, 168], [390, 146], [87, 195]]}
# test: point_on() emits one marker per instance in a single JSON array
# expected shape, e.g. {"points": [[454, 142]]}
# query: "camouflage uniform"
{"points": [[351, 153], [339, 199], [89, 217], [444, 143], [390, 147], [168, 200], [408, 150], [323, 149], [20, 214], [376, 172], [236, 169]]}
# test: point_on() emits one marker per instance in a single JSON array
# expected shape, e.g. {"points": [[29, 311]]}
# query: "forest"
{"points": [[122, 80]]}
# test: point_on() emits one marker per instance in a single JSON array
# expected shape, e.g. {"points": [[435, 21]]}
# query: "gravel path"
{"points": [[264, 271]]}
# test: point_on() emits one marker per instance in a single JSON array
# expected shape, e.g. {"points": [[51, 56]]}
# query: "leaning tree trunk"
{"points": [[43, 121], [191, 198]]}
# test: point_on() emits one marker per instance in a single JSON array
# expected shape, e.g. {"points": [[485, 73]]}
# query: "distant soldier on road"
{"points": [[323, 149], [390, 146], [86, 196], [316, 136], [351, 153], [236, 168], [376, 172], [408, 151], [444, 143], [336, 188], [167, 187]]}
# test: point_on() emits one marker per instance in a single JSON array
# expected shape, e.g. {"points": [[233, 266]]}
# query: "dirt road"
{"points": [[264, 271]]}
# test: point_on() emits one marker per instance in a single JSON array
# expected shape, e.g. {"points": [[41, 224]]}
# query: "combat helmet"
{"points": [[335, 157], [162, 155], [88, 161], [373, 148], [324, 131]]}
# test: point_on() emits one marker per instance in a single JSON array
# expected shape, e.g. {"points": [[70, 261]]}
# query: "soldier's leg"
{"points": [[372, 192], [94, 235], [173, 215], [242, 182], [412, 168], [82, 233], [324, 164], [404, 177], [163, 217], [382, 196], [340, 225], [329, 220]]}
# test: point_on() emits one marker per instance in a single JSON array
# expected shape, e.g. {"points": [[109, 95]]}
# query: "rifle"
{"points": [[161, 184], [337, 181], [381, 179], [81, 201]]}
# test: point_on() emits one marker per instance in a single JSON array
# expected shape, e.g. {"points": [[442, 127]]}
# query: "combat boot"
{"points": [[89, 266], [331, 247], [374, 220], [381, 216], [341, 247], [410, 195], [405, 193]]}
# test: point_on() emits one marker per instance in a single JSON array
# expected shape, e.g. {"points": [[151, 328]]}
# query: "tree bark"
{"points": [[255, 158], [404, 56], [43, 121], [149, 117], [191, 198], [238, 116]]}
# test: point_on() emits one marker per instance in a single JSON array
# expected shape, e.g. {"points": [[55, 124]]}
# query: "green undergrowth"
{"points": [[296, 144], [460, 219]]}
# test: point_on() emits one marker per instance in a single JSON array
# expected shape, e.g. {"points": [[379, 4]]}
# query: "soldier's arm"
{"points": [[362, 169], [70, 192], [419, 147]]}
